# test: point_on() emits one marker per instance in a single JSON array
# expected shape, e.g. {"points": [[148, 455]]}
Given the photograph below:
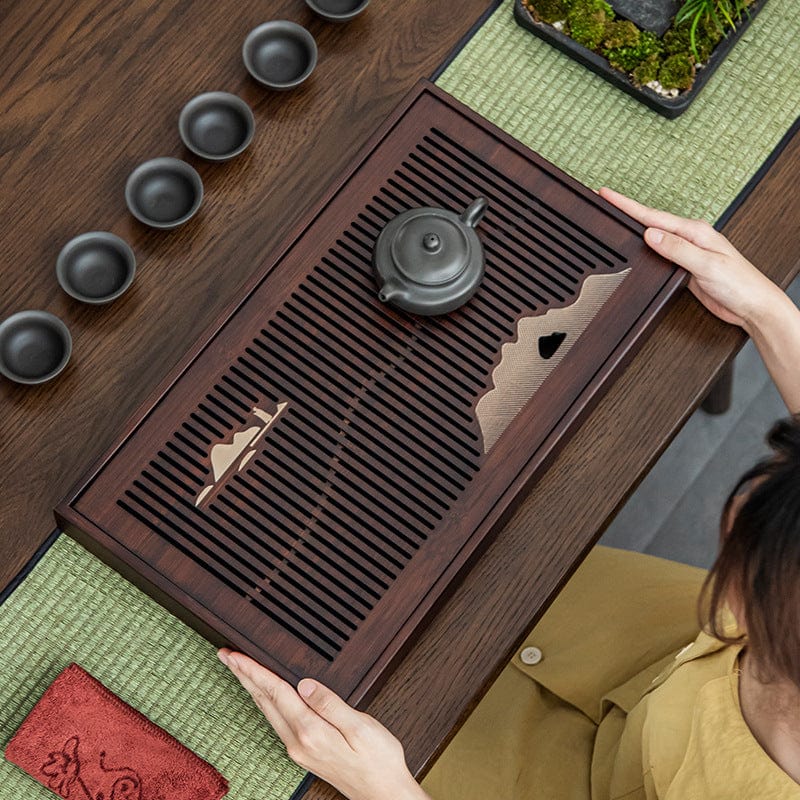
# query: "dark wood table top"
{"points": [[89, 89]]}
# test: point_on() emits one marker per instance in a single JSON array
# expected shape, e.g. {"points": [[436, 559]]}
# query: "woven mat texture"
{"points": [[74, 608], [694, 165]]}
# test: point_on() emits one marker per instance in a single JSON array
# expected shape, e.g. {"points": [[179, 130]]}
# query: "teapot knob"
{"points": [[431, 243]]}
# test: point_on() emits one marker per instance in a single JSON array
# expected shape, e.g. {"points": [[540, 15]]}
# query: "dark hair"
{"points": [[759, 561]]}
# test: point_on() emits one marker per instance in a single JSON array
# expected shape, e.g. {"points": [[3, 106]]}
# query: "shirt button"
{"points": [[531, 656]]}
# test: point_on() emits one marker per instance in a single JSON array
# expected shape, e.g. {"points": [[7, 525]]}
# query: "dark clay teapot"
{"points": [[429, 260]]}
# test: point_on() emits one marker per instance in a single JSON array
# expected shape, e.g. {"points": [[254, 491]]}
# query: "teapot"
{"points": [[430, 261]]}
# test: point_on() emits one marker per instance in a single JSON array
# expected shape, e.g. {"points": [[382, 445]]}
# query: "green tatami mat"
{"points": [[74, 608], [695, 165]]}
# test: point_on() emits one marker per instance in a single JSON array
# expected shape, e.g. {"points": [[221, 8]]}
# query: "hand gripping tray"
{"points": [[319, 468]]}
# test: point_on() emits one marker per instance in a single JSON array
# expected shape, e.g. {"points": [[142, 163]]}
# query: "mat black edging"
{"points": [[29, 565], [464, 40], [757, 175], [303, 786]]}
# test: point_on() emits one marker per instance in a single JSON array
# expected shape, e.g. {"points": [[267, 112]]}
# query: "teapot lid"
{"points": [[430, 248]]}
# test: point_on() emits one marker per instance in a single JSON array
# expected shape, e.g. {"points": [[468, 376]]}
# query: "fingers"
{"points": [[296, 715], [675, 248], [260, 697], [651, 217], [267, 687], [278, 701], [723, 280], [332, 708], [699, 232], [312, 723]]}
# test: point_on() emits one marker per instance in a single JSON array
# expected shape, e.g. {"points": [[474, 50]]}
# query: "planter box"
{"points": [[669, 107]]}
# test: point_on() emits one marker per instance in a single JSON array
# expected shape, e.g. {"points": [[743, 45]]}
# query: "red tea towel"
{"points": [[84, 743]]}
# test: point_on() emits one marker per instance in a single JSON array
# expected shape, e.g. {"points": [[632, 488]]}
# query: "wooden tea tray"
{"points": [[317, 471]]}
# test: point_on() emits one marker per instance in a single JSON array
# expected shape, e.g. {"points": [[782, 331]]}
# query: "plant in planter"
{"points": [[668, 65], [723, 14]]}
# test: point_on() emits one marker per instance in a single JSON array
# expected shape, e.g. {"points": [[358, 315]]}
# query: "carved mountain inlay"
{"points": [[548, 345], [523, 369], [241, 448]]}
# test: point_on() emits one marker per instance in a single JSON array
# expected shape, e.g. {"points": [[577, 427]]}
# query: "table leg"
{"points": [[718, 400]]}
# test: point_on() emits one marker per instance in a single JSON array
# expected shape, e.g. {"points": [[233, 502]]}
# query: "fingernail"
{"points": [[306, 687], [224, 658], [654, 235]]}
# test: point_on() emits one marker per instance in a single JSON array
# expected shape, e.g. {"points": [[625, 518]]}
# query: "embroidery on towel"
{"points": [[63, 772]]}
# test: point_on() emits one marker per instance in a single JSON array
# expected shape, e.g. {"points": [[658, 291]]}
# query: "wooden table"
{"points": [[91, 88]]}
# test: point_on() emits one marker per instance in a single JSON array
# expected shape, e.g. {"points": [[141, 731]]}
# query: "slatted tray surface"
{"points": [[310, 479]]}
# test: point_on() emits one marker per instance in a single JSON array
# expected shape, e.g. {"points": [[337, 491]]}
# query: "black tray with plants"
{"points": [[662, 52]]}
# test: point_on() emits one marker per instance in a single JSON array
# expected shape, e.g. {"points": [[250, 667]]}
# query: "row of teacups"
{"points": [[98, 267]]}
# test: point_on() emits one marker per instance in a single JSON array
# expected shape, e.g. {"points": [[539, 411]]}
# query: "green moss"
{"points": [[709, 31], [621, 33], [628, 58], [677, 72], [547, 10], [647, 71], [641, 54], [676, 40], [707, 36], [587, 20]]}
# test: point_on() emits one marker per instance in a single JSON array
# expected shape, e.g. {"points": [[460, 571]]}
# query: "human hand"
{"points": [[348, 749], [722, 279]]}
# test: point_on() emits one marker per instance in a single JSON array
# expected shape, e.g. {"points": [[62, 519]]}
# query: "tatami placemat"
{"points": [[74, 608], [695, 165]]}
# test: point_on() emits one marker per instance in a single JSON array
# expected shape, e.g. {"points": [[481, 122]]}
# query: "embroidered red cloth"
{"points": [[84, 743]]}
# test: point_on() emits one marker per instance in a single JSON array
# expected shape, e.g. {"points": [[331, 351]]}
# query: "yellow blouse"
{"points": [[596, 705]]}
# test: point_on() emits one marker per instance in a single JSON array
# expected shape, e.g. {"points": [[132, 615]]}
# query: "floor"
{"points": [[675, 511]]}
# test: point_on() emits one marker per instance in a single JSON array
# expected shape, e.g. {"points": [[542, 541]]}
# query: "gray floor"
{"points": [[675, 511]]}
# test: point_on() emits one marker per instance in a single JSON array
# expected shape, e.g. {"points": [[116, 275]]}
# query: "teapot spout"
{"points": [[392, 293]]}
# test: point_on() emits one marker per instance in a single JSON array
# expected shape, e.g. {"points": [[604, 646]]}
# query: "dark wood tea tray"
{"points": [[319, 468]]}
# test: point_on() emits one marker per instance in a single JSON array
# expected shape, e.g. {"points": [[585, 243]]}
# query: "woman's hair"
{"points": [[758, 566]]}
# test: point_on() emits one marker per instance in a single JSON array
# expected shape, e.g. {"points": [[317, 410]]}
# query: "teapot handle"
{"points": [[474, 214]]}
